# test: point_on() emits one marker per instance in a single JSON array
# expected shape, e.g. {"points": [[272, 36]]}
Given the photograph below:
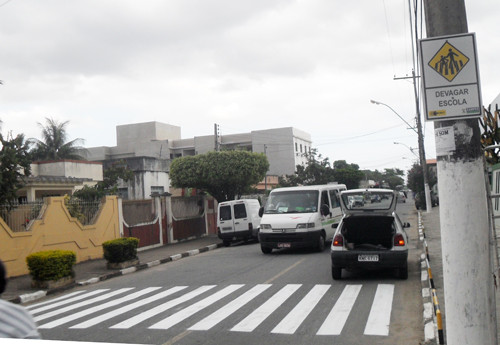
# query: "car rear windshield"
{"points": [[301, 201], [368, 200]]}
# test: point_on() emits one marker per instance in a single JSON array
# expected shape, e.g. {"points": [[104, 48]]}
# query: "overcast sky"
{"points": [[245, 65]]}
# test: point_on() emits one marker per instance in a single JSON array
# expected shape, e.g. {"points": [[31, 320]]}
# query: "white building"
{"points": [[149, 147], [58, 178]]}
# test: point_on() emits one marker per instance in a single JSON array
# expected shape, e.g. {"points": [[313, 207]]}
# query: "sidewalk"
{"points": [[431, 224], [432, 232], [19, 289]]}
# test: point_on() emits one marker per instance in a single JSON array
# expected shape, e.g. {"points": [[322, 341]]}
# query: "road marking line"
{"points": [[295, 318], [98, 319], [99, 307], [285, 271], [174, 319], [162, 307], [230, 308], [380, 314], [335, 321], [258, 316]]}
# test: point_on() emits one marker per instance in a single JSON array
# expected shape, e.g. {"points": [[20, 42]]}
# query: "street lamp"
{"points": [[409, 148], [394, 111], [421, 151]]}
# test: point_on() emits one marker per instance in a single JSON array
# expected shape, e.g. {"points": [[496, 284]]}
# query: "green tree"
{"points": [[15, 163], [316, 171], [319, 171], [416, 178], [490, 134], [54, 144], [348, 174], [225, 175]]}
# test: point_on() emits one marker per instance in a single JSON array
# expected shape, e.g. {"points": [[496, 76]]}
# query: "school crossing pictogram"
{"points": [[448, 61]]}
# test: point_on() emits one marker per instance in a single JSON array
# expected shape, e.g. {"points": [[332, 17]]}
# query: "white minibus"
{"points": [[295, 217]]}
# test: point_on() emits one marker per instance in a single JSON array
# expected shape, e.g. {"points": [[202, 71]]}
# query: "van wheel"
{"points": [[336, 273], [321, 244], [266, 250], [226, 243]]}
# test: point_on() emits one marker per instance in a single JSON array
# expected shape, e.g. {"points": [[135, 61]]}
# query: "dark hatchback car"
{"points": [[371, 236]]}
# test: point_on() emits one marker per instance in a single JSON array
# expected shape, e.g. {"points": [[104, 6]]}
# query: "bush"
{"points": [[51, 264], [121, 249]]}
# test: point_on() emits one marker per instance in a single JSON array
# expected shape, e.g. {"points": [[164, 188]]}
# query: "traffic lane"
{"points": [[242, 264]]}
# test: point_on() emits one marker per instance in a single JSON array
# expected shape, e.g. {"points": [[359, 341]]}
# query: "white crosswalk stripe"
{"points": [[260, 314], [295, 318], [81, 304], [380, 313], [101, 318], [158, 308], [337, 318]]}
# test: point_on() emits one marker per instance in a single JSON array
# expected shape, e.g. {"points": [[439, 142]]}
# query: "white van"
{"points": [[238, 220], [297, 217]]}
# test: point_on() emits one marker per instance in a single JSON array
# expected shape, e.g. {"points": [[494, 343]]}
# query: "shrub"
{"points": [[51, 264], [121, 249]]}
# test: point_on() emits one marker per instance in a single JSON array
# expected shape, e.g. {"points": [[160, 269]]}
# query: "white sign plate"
{"points": [[450, 77]]}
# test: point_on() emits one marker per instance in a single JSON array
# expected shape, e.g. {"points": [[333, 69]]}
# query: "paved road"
{"points": [[239, 295]]}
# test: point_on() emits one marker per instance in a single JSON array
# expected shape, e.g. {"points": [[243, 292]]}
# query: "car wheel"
{"points": [[266, 250], [403, 272], [226, 243], [321, 244], [336, 273]]}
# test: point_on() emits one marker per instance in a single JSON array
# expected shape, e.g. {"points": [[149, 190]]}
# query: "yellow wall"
{"points": [[58, 230]]}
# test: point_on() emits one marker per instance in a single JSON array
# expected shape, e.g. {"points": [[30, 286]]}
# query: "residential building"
{"points": [[59, 178], [148, 148]]}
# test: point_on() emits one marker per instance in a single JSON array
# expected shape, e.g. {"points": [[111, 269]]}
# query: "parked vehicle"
{"points": [[371, 236], [401, 197], [295, 217], [238, 220]]}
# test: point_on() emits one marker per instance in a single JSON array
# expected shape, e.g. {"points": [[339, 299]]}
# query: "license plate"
{"points": [[284, 245], [371, 258]]}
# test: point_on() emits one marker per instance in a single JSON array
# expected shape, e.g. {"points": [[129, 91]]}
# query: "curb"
{"points": [[433, 325], [42, 293]]}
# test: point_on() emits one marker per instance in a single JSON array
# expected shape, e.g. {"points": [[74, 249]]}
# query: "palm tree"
{"points": [[53, 146]]}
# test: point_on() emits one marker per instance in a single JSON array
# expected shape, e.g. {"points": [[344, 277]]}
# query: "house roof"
{"points": [[55, 180]]}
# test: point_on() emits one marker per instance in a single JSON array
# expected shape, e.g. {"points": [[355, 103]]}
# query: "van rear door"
{"points": [[226, 222], [241, 218]]}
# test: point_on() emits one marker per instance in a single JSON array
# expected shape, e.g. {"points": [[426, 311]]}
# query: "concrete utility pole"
{"points": [[467, 268]]}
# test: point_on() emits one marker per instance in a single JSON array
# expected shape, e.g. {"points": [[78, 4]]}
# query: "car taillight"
{"points": [[250, 226], [399, 240], [338, 241]]}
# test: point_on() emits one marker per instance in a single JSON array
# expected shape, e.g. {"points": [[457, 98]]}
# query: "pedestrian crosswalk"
{"points": [[282, 309]]}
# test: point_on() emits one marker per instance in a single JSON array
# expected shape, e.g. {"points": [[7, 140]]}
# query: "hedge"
{"points": [[51, 264], [121, 249]]}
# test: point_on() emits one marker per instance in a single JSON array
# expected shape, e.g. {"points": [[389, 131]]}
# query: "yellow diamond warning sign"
{"points": [[448, 61]]}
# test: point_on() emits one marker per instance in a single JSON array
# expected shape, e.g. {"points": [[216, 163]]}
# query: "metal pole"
{"points": [[421, 150], [467, 267]]}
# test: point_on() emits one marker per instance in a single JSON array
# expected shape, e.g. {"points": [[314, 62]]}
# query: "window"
{"points": [[240, 211], [123, 193], [296, 147], [157, 189], [300, 148], [334, 198], [225, 212], [324, 198]]}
